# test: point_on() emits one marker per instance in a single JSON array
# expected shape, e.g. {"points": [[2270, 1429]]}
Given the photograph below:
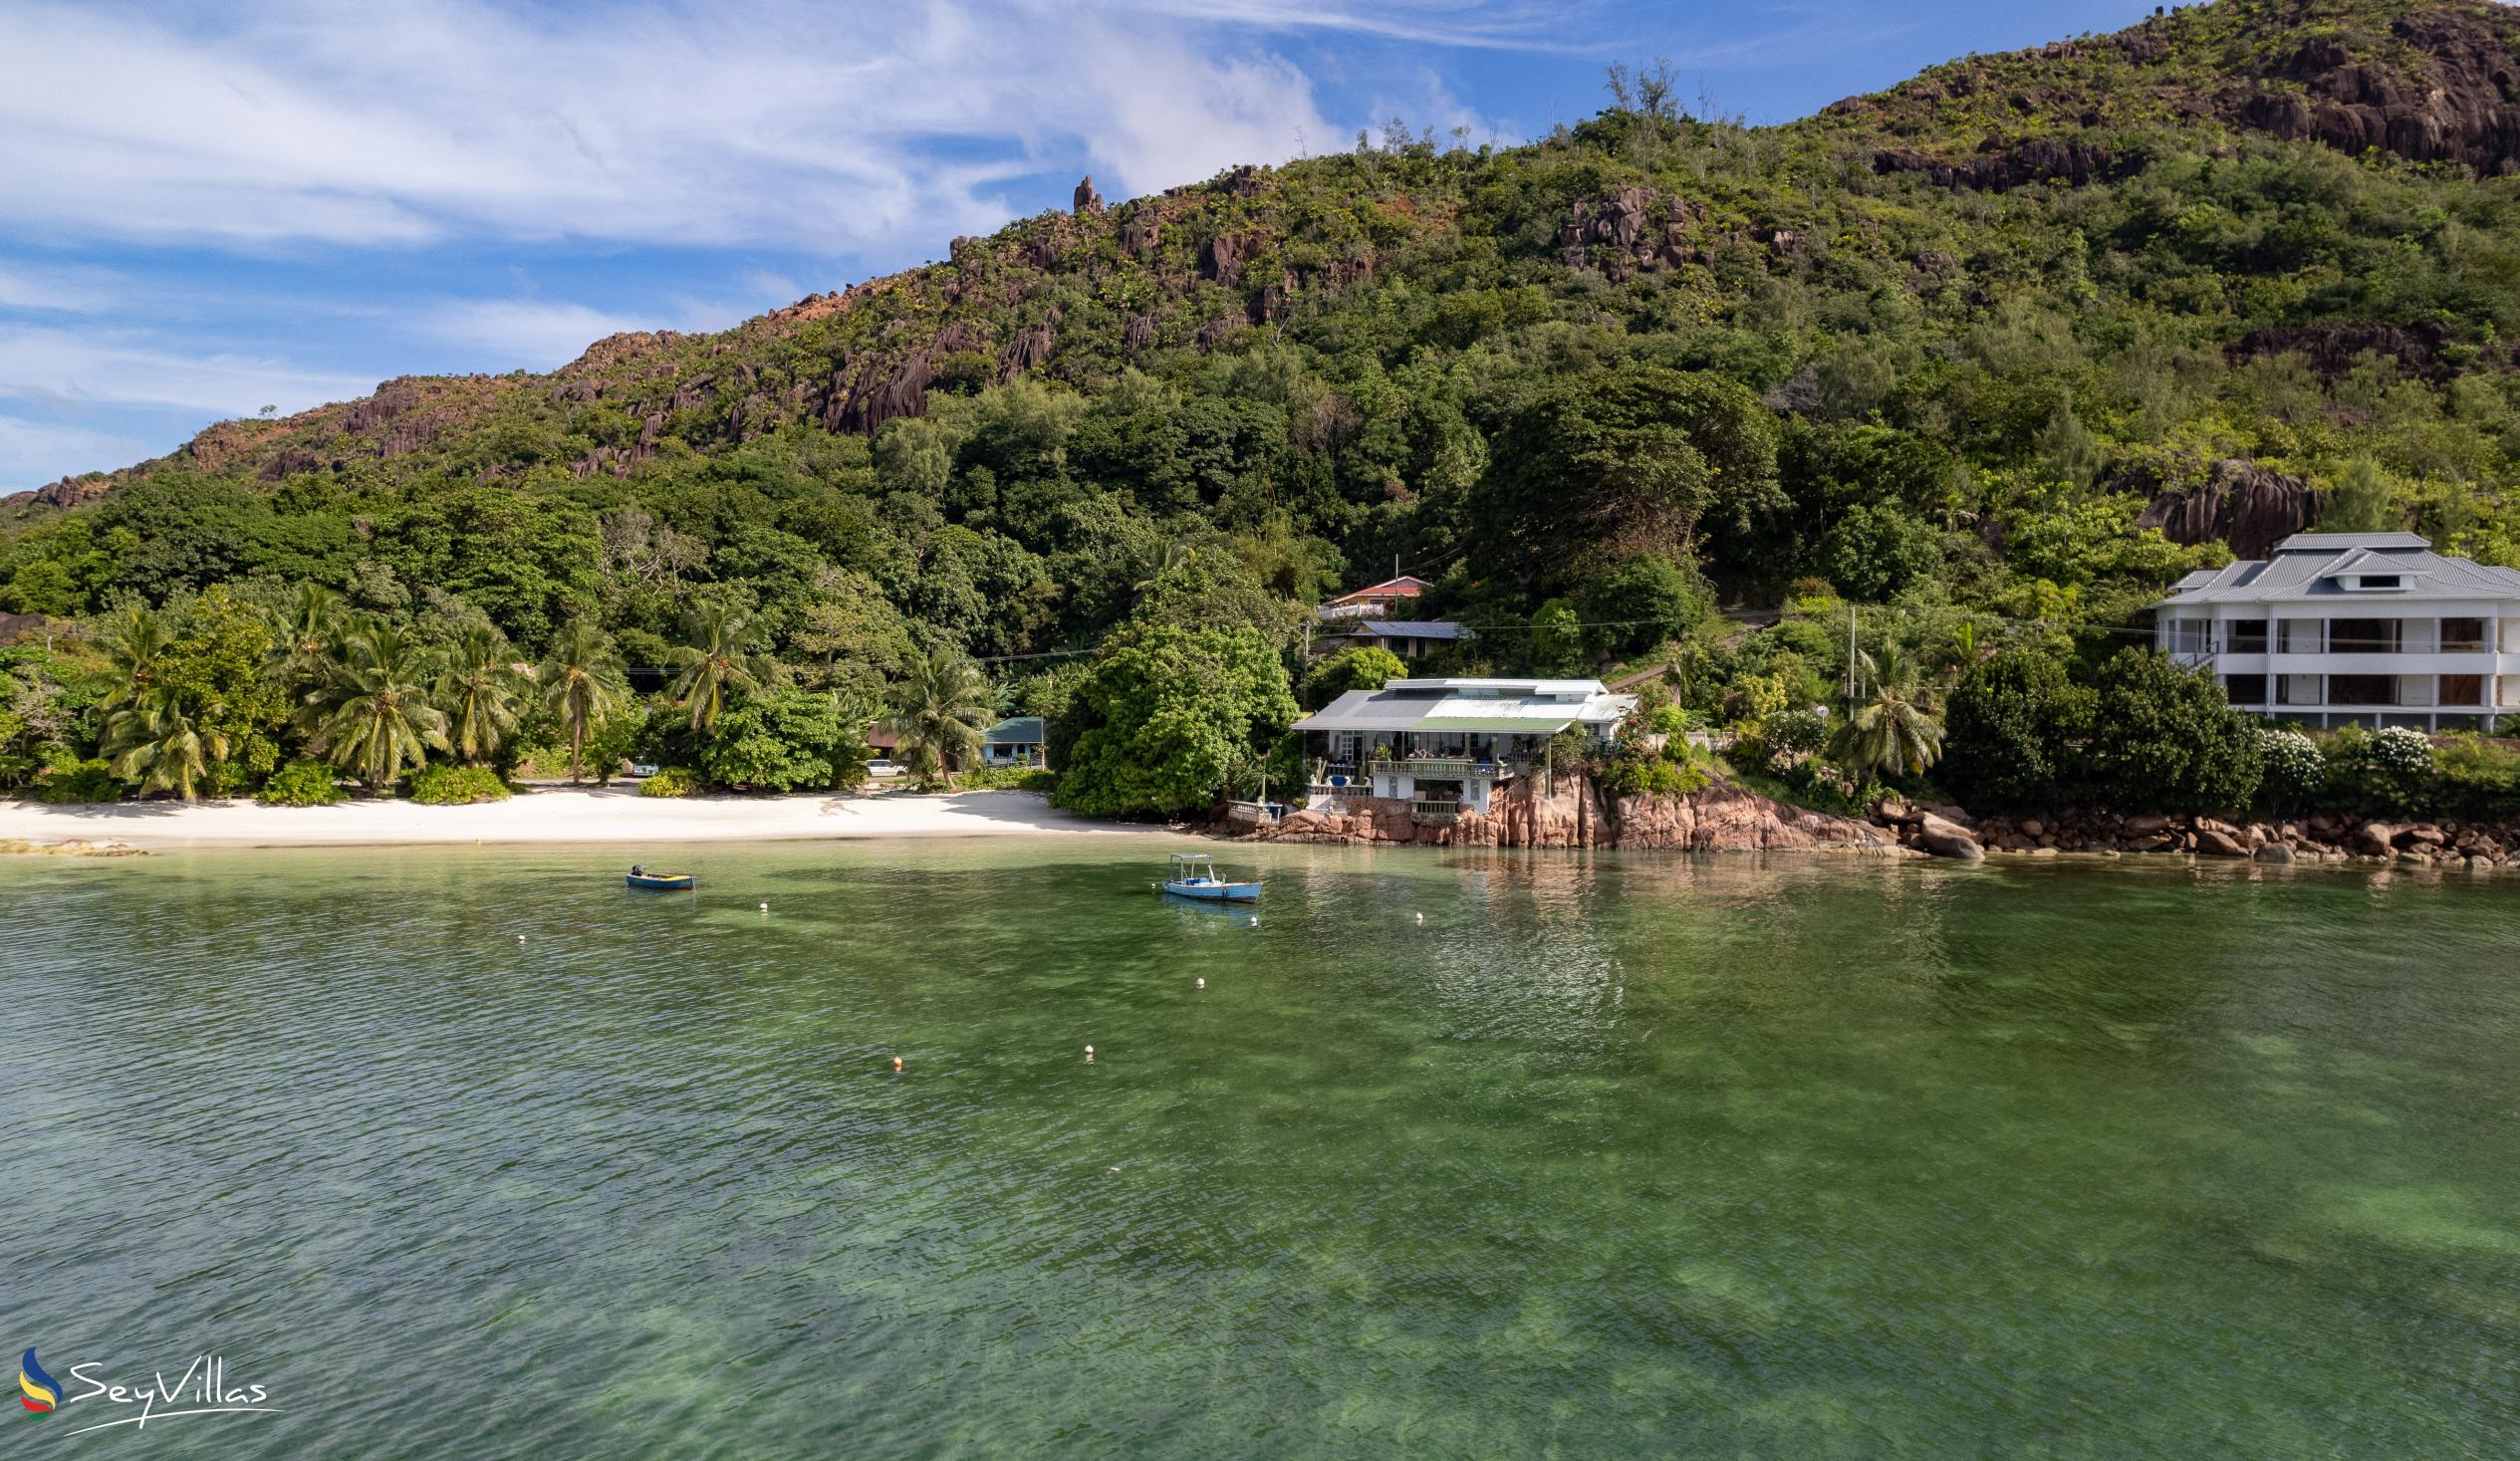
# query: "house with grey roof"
{"points": [[1445, 744], [2369, 628], [1406, 637]]}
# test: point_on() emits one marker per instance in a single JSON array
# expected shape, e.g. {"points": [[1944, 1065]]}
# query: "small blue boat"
{"points": [[660, 882], [1193, 875]]}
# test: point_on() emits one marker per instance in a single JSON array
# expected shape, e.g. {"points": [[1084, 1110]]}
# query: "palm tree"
{"points": [[371, 714], [479, 692], [159, 742], [582, 684], [1889, 729], [940, 707], [136, 643], [306, 632], [715, 663]]}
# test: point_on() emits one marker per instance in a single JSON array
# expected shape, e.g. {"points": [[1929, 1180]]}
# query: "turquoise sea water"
{"points": [[1610, 1156]]}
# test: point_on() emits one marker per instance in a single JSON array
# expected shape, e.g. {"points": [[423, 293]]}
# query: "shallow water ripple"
{"points": [[1608, 1157]]}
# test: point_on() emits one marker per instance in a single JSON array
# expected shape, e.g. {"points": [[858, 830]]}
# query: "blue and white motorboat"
{"points": [[1193, 875]]}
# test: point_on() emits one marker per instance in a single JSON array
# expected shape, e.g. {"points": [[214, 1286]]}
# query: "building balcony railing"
{"points": [[1434, 811]]}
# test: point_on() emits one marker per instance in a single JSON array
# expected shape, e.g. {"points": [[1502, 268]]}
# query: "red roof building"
{"points": [[1374, 601]]}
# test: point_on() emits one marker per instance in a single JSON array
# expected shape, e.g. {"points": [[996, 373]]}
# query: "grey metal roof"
{"points": [[1371, 710], [2306, 567], [1471, 685], [2331, 542]]}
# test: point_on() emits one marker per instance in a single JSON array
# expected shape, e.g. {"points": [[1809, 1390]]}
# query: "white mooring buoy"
{"points": [[1088, 1054]]}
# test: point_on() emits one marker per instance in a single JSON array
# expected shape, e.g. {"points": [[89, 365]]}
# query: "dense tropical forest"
{"points": [[1962, 374]]}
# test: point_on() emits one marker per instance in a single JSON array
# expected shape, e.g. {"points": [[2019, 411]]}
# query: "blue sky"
{"points": [[209, 209]]}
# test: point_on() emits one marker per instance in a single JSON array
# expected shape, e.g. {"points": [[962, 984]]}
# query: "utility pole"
{"points": [[1850, 658]]}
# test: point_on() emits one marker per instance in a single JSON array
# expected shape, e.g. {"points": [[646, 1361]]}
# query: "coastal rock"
{"points": [[1946, 839], [2216, 842], [1086, 199], [1570, 813], [2276, 852], [2377, 839]]}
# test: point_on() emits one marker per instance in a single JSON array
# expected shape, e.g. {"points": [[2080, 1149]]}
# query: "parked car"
{"points": [[881, 767], [642, 768]]}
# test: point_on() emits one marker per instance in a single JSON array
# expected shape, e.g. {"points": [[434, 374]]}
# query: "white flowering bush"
{"points": [[2295, 769], [2403, 752]]}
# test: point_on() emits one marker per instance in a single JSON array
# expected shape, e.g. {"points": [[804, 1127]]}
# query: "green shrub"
{"points": [[455, 786], [2387, 774], [1667, 719], [1004, 779], [301, 784], [2164, 739], [2010, 731], [789, 740], [81, 781], [673, 781], [1649, 776], [2478, 777]]}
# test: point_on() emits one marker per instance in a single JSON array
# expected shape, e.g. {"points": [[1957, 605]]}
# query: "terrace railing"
{"points": [[1434, 811]]}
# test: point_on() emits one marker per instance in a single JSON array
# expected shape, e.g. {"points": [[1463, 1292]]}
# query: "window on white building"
{"points": [[2362, 636], [2462, 636]]}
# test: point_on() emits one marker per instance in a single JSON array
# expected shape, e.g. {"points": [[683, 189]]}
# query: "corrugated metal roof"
{"points": [[1021, 730], [1395, 708], [1507, 687], [1369, 711], [2333, 542]]}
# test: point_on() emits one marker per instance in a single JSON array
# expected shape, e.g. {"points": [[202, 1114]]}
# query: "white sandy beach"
{"points": [[553, 814]]}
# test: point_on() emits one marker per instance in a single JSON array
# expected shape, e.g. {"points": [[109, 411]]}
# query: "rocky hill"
{"points": [[2033, 319]]}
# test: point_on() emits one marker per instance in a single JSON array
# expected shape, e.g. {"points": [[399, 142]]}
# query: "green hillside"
{"points": [[2011, 345]]}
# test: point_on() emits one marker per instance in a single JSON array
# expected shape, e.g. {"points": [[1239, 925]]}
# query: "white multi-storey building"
{"points": [[2373, 628]]}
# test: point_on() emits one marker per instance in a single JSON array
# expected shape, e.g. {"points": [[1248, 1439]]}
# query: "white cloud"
{"points": [[114, 368], [73, 290], [35, 452], [534, 334], [826, 129]]}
